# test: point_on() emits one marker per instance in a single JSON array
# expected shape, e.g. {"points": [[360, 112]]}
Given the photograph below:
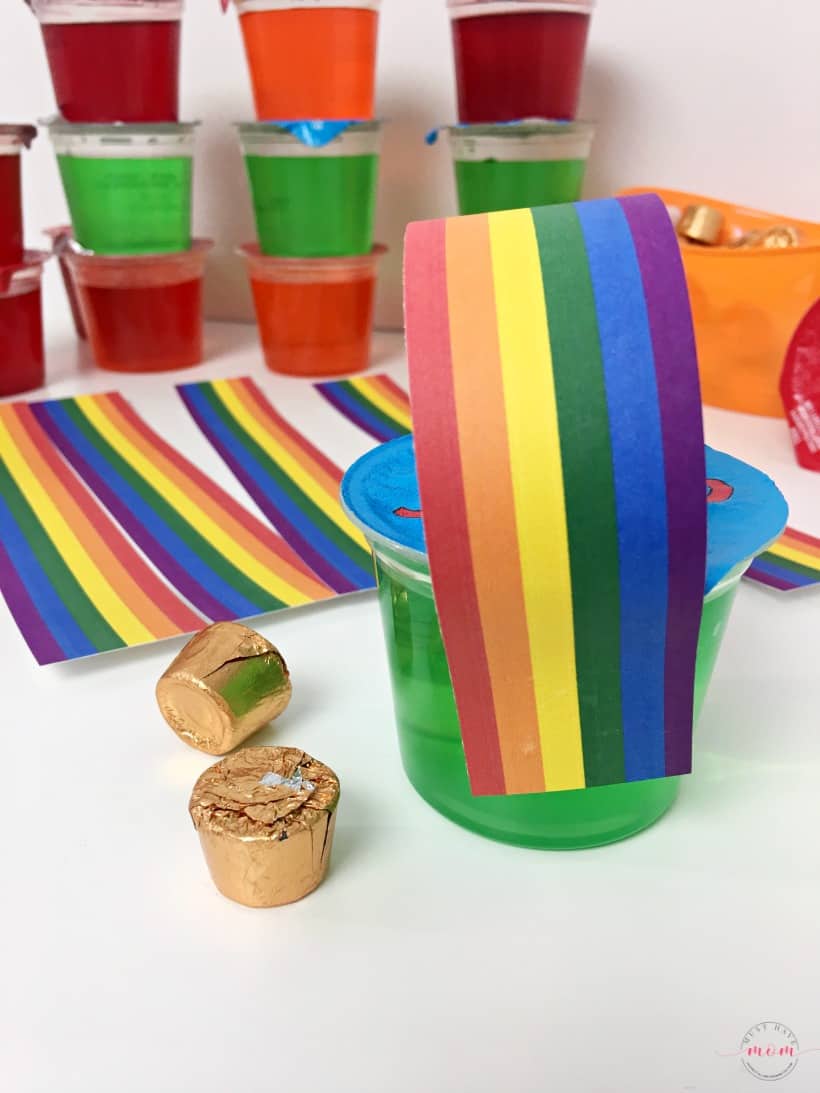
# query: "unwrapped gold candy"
{"points": [[265, 819], [224, 686], [701, 224]]}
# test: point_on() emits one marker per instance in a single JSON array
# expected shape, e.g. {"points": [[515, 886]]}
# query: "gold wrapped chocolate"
{"points": [[780, 235], [224, 686], [265, 818], [701, 224]]}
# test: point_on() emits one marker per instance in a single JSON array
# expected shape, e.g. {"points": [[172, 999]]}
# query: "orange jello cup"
{"points": [[143, 313], [315, 315], [315, 61]]}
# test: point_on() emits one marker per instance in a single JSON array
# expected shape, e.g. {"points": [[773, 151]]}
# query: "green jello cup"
{"points": [[128, 187], [312, 202], [519, 166], [430, 737]]}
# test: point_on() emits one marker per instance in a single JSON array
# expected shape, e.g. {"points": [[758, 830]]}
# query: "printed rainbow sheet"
{"points": [[294, 484], [561, 465], [375, 404], [226, 563], [74, 584], [792, 562]]}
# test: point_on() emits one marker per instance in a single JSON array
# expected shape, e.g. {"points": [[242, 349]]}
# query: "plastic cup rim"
{"points": [[252, 252]]}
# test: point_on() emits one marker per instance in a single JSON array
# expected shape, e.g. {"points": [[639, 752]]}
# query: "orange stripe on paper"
{"points": [[482, 432]]}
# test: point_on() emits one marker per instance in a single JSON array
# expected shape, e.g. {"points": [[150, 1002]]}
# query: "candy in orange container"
{"points": [[313, 60], [746, 301]]}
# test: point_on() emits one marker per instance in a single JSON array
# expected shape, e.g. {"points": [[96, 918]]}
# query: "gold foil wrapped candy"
{"points": [[776, 237], [226, 684], [701, 224], [265, 818]]}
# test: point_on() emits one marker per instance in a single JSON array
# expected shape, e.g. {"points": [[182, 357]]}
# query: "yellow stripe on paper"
{"points": [[369, 390], [535, 460]]}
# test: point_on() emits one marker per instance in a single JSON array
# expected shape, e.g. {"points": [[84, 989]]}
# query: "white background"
{"points": [[719, 97]]}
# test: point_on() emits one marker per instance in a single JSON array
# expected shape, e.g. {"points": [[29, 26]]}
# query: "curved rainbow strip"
{"points": [[294, 484], [793, 562], [375, 404], [75, 585], [561, 464], [223, 560]]}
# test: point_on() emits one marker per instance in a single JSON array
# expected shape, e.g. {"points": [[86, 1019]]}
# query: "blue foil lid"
{"points": [[746, 510]]}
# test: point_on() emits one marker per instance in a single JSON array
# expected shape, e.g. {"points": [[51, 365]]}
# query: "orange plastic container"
{"points": [[746, 304], [315, 315], [311, 60], [143, 313]]}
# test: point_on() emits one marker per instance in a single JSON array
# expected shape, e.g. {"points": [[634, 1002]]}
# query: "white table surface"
{"points": [[431, 959]]}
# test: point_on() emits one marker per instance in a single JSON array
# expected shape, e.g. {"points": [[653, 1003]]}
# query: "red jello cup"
{"points": [[22, 363], [113, 60], [143, 313], [519, 59], [315, 315], [13, 139], [61, 238]]}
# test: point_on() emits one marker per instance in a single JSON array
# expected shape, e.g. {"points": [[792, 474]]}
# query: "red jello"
{"points": [[124, 70], [22, 366], [13, 138], [519, 64], [142, 314], [315, 315]]}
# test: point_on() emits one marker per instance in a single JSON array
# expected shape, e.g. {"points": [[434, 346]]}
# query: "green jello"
{"points": [[430, 739]]}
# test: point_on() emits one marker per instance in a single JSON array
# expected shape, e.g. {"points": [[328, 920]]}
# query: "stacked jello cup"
{"points": [[21, 320], [518, 73], [312, 163], [133, 270]]}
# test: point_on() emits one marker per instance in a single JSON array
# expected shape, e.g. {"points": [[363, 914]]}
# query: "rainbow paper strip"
{"points": [[793, 562], [215, 553], [560, 454], [75, 586], [292, 482], [375, 403]]}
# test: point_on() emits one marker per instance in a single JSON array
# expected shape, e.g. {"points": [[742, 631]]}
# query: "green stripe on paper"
{"points": [[586, 455], [361, 399]]}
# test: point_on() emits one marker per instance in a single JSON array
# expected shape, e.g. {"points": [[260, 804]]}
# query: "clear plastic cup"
{"points": [[315, 315], [312, 201], [311, 58], [113, 60], [519, 166], [22, 360], [426, 716], [61, 238], [13, 139], [128, 187], [143, 313], [519, 58]]}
